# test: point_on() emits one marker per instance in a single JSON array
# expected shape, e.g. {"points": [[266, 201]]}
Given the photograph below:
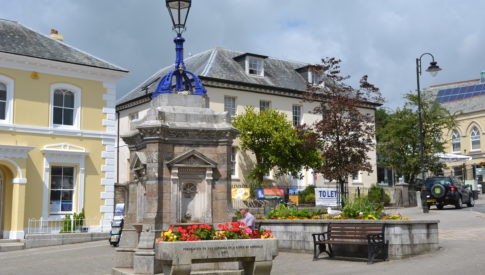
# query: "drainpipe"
{"points": [[117, 152]]}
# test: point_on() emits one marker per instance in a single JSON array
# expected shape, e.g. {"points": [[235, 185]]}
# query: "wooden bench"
{"points": [[368, 234]]}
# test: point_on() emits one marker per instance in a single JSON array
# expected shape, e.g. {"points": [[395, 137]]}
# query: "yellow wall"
{"points": [[32, 98], [35, 172], [7, 200], [465, 125]]}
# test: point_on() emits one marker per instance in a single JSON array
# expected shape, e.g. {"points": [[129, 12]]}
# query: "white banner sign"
{"points": [[326, 196]]}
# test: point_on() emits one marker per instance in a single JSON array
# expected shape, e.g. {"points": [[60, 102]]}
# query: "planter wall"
{"points": [[256, 255], [406, 237], [41, 240]]}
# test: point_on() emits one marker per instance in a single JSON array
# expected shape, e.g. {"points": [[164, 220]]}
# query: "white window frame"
{"points": [[230, 109], [64, 155], [293, 115], [259, 66], [74, 173], [9, 83], [234, 163], [357, 179], [455, 140], [265, 102], [77, 106], [474, 138]]}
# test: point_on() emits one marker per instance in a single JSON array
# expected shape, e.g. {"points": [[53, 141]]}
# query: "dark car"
{"points": [[441, 191]]}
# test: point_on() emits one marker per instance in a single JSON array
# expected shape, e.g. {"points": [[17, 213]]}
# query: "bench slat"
{"points": [[356, 225], [365, 231], [348, 237], [342, 242]]}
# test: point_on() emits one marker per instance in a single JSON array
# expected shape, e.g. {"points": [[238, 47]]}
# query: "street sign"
{"points": [[326, 196]]}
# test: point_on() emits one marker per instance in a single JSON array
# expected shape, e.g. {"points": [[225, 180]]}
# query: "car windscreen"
{"points": [[432, 181]]}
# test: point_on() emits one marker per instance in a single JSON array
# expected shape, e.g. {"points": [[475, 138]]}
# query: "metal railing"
{"points": [[56, 226]]}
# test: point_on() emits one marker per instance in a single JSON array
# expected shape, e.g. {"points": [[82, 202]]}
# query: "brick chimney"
{"points": [[55, 35]]}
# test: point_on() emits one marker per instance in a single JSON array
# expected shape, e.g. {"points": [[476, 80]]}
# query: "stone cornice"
{"points": [[40, 65], [14, 151], [133, 103]]}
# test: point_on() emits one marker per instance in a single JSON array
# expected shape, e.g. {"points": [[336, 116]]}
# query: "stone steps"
{"points": [[11, 245]]}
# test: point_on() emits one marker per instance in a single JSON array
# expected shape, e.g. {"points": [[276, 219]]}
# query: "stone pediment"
{"points": [[192, 158]]}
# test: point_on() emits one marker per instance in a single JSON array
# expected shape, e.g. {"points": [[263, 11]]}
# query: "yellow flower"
{"points": [[370, 217]]}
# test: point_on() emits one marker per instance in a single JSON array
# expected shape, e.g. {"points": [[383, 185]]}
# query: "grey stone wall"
{"points": [[406, 238], [41, 240]]}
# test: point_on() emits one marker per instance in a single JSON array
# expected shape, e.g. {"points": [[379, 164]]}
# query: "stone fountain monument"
{"points": [[180, 161], [180, 168]]}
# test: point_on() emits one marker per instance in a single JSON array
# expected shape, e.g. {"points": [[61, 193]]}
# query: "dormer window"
{"points": [[253, 64], [311, 77]]}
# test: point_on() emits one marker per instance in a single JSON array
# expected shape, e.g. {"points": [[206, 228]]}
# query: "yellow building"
{"points": [[466, 99], [57, 131]]}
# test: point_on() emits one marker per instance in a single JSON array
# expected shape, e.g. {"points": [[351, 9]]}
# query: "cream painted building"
{"points": [[57, 131], [466, 99], [234, 80]]}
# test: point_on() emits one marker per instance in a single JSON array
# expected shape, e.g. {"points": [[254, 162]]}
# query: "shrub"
{"points": [[310, 198], [66, 227], [78, 220], [377, 194], [74, 224], [310, 189], [362, 207], [282, 211]]}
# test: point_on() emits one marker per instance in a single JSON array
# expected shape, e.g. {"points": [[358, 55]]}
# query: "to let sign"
{"points": [[326, 196]]}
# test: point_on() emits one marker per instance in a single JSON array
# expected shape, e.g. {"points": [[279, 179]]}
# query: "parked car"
{"points": [[441, 191]]}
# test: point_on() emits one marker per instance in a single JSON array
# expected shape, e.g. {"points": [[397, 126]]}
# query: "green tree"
{"points": [[399, 137], [276, 144]]}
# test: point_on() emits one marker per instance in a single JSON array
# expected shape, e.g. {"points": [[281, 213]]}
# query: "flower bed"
{"points": [[360, 208], [203, 232]]}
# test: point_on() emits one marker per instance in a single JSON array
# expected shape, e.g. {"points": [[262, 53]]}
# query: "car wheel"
{"points": [[440, 206], [471, 202], [459, 203]]}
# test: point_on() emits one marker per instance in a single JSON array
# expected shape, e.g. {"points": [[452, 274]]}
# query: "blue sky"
{"points": [[375, 37]]}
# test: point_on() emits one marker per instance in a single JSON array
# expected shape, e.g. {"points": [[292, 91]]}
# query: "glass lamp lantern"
{"points": [[179, 12]]}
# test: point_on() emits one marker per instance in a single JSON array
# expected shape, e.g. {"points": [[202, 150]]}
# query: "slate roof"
{"points": [[467, 105], [462, 105], [18, 39], [218, 63]]}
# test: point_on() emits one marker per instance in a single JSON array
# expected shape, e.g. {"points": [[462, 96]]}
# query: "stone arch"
{"points": [[14, 169], [470, 126]]}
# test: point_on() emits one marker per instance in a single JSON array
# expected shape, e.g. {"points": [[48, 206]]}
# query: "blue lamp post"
{"points": [[184, 80]]}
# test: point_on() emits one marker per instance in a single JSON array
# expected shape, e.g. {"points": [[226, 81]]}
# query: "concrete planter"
{"points": [[41, 240], [406, 237], [256, 255]]}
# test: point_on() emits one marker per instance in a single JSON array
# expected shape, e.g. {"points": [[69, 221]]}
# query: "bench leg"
{"points": [[374, 250], [386, 251], [371, 254], [317, 252], [330, 251]]}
